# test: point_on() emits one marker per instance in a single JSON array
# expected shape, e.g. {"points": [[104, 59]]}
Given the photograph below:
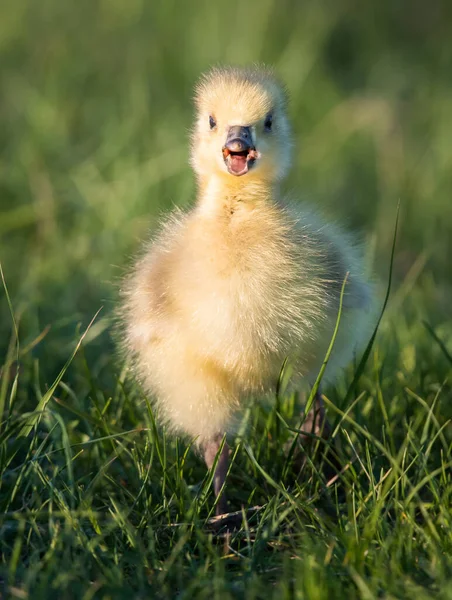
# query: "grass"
{"points": [[95, 500]]}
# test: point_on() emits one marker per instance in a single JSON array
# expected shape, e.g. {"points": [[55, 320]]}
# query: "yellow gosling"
{"points": [[226, 291]]}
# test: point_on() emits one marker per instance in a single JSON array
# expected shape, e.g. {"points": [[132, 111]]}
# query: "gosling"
{"points": [[229, 290]]}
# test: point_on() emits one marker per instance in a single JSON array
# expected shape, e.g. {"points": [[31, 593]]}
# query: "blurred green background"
{"points": [[95, 111]]}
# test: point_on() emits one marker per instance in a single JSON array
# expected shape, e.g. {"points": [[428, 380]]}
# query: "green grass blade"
{"points": [[34, 420]]}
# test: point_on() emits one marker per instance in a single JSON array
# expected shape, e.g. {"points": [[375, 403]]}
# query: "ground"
{"points": [[96, 501]]}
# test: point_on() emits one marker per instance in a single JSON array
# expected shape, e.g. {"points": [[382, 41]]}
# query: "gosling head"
{"points": [[241, 129]]}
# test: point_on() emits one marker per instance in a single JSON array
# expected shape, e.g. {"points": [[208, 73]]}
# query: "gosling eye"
{"points": [[212, 122], [268, 122]]}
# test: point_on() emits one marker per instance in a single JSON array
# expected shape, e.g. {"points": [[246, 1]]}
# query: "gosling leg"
{"points": [[316, 422], [210, 452]]}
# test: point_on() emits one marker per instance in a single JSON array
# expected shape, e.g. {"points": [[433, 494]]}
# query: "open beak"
{"points": [[239, 154]]}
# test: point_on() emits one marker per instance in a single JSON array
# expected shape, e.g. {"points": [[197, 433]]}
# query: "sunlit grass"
{"points": [[97, 500]]}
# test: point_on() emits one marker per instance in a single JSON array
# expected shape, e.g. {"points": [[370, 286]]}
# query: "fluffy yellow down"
{"points": [[225, 292]]}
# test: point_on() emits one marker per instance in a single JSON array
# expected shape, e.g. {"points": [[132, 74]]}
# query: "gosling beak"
{"points": [[239, 154]]}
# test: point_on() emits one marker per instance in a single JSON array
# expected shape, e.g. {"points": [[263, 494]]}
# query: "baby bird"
{"points": [[244, 280]]}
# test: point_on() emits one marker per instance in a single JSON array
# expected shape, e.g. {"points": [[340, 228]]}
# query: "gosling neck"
{"points": [[226, 194]]}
